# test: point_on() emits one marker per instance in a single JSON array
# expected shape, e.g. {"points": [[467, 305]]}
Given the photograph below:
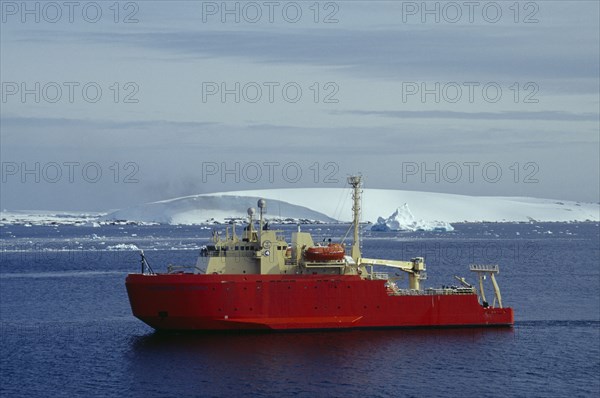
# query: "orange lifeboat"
{"points": [[331, 252]]}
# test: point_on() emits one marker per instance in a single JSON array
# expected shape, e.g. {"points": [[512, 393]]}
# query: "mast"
{"points": [[250, 230], [262, 206], [355, 182]]}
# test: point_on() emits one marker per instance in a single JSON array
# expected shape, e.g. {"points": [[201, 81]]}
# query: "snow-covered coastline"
{"points": [[325, 205], [48, 217]]}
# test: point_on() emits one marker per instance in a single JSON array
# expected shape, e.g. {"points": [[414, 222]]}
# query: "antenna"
{"points": [[251, 211], [262, 205]]}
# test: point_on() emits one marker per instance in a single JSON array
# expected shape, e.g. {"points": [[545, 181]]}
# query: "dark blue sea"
{"points": [[66, 328]]}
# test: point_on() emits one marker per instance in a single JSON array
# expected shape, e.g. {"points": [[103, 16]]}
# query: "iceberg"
{"points": [[403, 220]]}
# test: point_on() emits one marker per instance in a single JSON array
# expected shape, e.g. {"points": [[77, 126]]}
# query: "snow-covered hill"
{"points": [[327, 204], [430, 206], [330, 204], [206, 208]]}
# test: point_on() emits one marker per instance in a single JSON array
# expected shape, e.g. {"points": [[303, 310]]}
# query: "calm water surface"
{"points": [[66, 328]]}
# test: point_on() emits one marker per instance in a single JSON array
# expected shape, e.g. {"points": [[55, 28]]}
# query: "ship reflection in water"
{"points": [[312, 364]]}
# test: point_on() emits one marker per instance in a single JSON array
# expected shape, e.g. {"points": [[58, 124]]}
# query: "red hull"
{"points": [[286, 302]]}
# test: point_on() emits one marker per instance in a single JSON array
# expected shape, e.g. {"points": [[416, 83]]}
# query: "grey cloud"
{"points": [[541, 115], [469, 52]]}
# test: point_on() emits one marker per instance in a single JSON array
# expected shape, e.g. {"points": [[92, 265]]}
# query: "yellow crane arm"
{"points": [[413, 267], [403, 265]]}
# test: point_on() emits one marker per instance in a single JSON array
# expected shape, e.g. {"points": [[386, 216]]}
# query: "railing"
{"points": [[484, 267], [326, 264], [380, 276], [175, 269]]}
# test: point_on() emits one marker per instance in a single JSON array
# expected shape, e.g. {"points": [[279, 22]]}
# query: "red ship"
{"points": [[257, 281]]}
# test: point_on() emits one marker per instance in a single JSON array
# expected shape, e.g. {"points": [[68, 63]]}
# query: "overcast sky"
{"points": [[106, 105]]}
